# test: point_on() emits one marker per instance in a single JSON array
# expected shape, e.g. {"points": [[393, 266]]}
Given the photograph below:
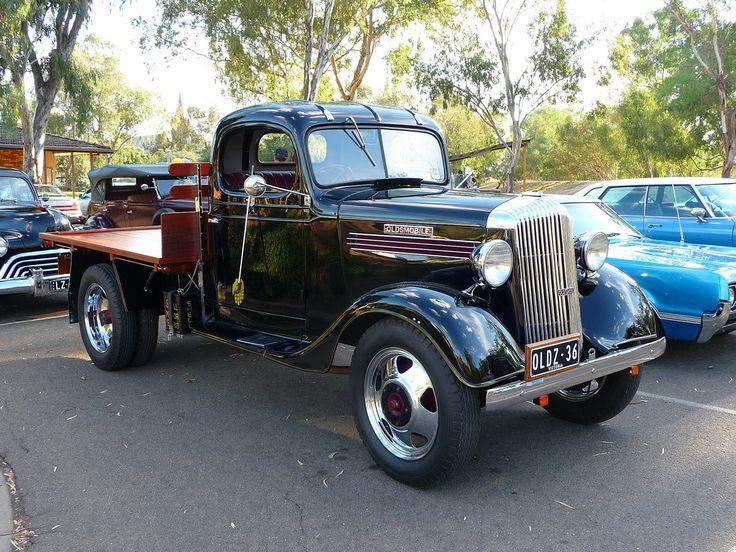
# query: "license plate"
{"points": [[553, 355], [58, 285]]}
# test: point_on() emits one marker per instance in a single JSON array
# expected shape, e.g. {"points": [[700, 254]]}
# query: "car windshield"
{"points": [[14, 190], [597, 217], [50, 190], [721, 198], [164, 184], [357, 154]]}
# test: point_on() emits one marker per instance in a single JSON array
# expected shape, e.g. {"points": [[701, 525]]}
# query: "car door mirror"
{"points": [[145, 187], [255, 185], [45, 197], [699, 213]]}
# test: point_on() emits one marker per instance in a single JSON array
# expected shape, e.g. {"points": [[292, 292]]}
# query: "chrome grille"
{"points": [[544, 262], [22, 265]]}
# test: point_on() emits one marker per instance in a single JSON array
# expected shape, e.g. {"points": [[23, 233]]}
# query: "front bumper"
{"points": [[520, 391], [714, 323], [35, 284]]}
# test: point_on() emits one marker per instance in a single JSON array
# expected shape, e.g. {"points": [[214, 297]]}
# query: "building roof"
{"points": [[11, 138]]}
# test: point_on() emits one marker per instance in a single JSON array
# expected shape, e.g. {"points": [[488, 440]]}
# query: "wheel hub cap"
{"points": [[97, 318], [401, 403]]}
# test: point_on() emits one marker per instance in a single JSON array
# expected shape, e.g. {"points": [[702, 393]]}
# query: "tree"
{"points": [[377, 20], [38, 37], [98, 104], [476, 69], [709, 40], [686, 59]]}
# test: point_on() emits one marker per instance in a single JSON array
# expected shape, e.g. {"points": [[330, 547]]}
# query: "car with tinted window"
{"points": [[27, 265], [692, 210], [54, 198], [691, 287], [133, 195]]}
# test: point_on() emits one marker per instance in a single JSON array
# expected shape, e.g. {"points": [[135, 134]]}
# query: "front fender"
{"points": [[99, 220], [615, 312], [476, 346]]}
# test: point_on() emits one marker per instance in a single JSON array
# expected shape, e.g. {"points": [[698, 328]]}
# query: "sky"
{"points": [[196, 79]]}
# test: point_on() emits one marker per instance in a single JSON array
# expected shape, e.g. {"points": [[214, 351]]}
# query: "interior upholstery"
{"points": [[281, 179]]}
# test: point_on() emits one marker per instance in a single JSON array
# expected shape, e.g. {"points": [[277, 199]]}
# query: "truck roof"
{"points": [[301, 115]]}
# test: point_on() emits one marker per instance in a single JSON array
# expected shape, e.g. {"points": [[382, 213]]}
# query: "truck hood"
{"points": [[448, 207], [712, 258]]}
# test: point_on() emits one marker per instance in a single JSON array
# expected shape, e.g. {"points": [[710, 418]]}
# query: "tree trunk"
{"points": [[730, 159], [516, 143]]}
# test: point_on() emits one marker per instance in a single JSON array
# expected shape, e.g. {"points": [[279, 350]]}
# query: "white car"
{"points": [[53, 198]]}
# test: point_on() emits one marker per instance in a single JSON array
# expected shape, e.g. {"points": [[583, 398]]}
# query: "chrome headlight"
{"points": [[3, 247], [732, 296], [592, 250], [493, 262]]}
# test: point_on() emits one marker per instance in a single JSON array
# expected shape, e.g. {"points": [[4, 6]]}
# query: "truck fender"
{"points": [[476, 346], [99, 220], [629, 316]]}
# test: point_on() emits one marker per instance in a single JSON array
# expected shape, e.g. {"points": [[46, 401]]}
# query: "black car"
{"points": [[351, 253], [26, 264]]}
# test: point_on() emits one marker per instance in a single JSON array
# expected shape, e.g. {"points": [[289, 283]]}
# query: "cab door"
{"points": [[273, 260], [628, 202], [142, 203]]}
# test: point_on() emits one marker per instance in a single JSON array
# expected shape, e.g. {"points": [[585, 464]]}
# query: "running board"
{"points": [[251, 341]]}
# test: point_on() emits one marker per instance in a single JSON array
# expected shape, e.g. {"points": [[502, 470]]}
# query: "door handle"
{"points": [[129, 212], [654, 225]]}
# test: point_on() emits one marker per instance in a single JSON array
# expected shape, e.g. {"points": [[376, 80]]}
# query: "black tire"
{"points": [[146, 337], [157, 217], [457, 407], [616, 392], [122, 341]]}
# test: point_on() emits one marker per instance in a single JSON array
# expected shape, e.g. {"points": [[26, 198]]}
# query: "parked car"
{"points": [[83, 201], [692, 210], [26, 264], [332, 240], [133, 195], [691, 287], [53, 198]]}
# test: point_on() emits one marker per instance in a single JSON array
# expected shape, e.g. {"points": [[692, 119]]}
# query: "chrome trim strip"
{"points": [[385, 251], [405, 237], [521, 391], [41, 255], [684, 318]]}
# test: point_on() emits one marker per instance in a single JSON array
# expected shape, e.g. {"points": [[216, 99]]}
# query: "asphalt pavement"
{"points": [[209, 449]]}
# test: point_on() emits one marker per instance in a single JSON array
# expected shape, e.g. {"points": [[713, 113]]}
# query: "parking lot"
{"points": [[209, 449]]}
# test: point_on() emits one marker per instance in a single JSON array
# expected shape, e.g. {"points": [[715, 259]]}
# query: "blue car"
{"points": [[691, 287], [692, 210]]}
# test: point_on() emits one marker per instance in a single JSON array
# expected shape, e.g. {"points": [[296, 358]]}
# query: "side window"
{"points": [[672, 201], [275, 148], [625, 200]]}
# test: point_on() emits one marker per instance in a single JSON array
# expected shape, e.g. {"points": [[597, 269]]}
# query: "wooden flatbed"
{"points": [[170, 247]]}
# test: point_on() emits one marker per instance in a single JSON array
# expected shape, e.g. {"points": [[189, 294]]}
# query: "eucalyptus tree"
{"points": [[489, 70], [276, 50], [37, 37]]}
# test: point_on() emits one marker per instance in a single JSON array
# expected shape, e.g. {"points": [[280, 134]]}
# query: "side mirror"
{"points": [[699, 213], [45, 197], [255, 185], [145, 187]]}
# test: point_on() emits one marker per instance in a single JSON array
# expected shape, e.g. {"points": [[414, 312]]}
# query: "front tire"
{"points": [[595, 401], [108, 330], [418, 422]]}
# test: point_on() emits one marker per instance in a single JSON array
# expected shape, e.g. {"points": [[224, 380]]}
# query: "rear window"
{"points": [[275, 148]]}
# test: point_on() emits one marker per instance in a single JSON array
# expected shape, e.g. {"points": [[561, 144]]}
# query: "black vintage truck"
{"points": [[332, 240]]}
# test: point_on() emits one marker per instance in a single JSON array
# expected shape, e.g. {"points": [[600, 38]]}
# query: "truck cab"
{"points": [[329, 238]]}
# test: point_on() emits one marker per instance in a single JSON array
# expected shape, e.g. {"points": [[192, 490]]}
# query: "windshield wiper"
{"points": [[357, 137]]}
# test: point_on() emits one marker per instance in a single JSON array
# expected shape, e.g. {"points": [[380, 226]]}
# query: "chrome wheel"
{"points": [[97, 318], [401, 403], [584, 391]]}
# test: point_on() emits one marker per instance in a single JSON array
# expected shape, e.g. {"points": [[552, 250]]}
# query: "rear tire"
{"points": [[146, 337], [418, 422], [108, 330], [582, 406]]}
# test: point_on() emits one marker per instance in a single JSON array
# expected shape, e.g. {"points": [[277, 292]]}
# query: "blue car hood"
{"points": [[713, 258]]}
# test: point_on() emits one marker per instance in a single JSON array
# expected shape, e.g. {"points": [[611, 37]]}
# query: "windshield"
{"points": [[721, 198], [164, 184], [15, 190], [50, 190], [597, 217], [344, 156]]}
